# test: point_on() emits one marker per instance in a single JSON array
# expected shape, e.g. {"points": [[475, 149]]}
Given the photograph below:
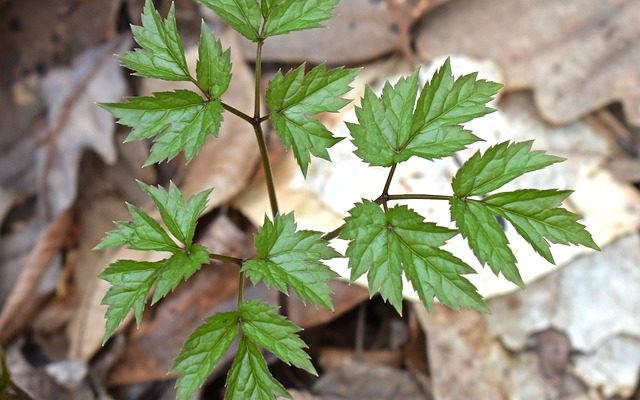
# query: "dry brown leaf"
{"points": [[75, 123], [35, 37], [46, 248], [333, 358], [369, 381], [104, 202], [361, 30], [577, 55]]}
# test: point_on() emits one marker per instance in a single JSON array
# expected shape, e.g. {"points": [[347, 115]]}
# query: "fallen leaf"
{"points": [[565, 300], [468, 361], [613, 368], [361, 30], [333, 358], [369, 381], [54, 34], [577, 55], [46, 248], [75, 123]]}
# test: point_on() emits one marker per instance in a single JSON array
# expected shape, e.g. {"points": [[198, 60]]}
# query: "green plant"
{"points": [[384, 242]]}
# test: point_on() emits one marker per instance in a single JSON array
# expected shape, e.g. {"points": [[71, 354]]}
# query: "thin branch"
{"points": [[264, 117], [332, 235], [417, 197], [237, 113], [266, 166], [385, 192], [229, 259]]}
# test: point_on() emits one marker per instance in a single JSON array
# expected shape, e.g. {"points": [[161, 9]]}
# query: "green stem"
{"points": [[332, 235], [266, 166], [237, 112], [241, 280], [283, 300], [229, 259], [385, 192], [226, 106], [417, 197], [256, 108]]}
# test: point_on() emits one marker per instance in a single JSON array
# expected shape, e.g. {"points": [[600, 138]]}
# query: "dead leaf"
{"points": [[369, 381], [75, 123], [54, 33], [577, 55], [468, 361], [104, 201], [333, 358], [46, 248], [361, 30], [566, 336]]}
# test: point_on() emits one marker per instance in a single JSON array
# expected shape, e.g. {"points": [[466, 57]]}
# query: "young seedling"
{"points": [[385, 241]]}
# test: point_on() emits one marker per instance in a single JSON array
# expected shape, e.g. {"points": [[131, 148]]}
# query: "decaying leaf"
{"points": [[565, 336], [75, 124], [361, 30], [577, 55], [46, 248]]}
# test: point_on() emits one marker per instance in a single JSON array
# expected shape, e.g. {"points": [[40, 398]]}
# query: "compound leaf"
{"points": [[177, 268], [262, 325], [249, 377], [213, 69], [178, 215], [284, 16], [485, 237], [384, 245], [130, 282], [499, 164], [161, 54], [294, 97], [390, 131], [287, 257], [243, 15], [202, 351], [537, 217], [177, 121]]}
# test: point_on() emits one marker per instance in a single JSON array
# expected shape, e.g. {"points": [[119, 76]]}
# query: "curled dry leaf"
{"points": [[577, 55]]}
